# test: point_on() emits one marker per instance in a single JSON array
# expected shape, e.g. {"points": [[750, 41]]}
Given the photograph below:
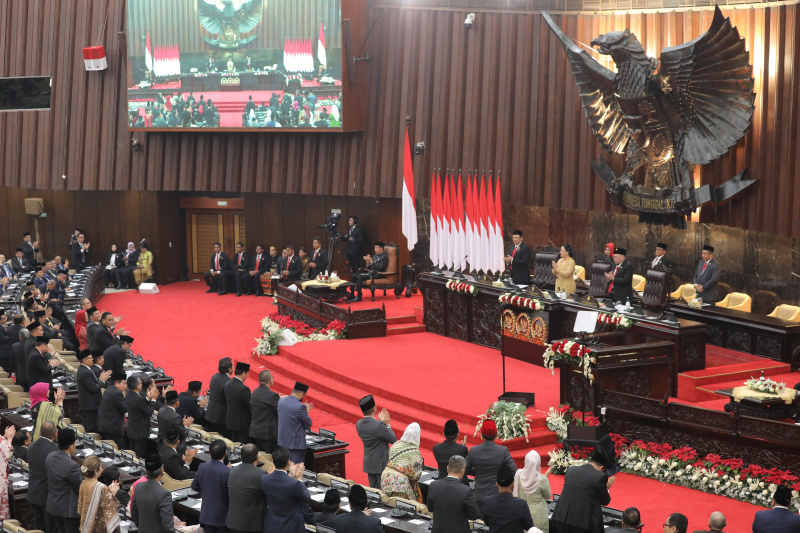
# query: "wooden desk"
{"points": [[768, 408], [747, 332]]}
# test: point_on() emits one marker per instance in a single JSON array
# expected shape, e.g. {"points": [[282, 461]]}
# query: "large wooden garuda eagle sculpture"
{"points": [[227, 25], [691, 111]]}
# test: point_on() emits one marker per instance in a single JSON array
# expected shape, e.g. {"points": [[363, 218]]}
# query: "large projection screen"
{"points": [[235, 64]]}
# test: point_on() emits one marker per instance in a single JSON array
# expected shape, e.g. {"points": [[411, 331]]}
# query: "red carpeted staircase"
{"points": [[399, 325], [338, 394], [699, 385]]}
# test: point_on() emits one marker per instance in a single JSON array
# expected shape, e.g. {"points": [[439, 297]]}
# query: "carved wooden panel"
{"points": [[715, 335], [582, 395], [369, 315], [693, 356], [635, 382], [739, 340], [434, 310], [769, 429], [457, 315], [649, 407], [794, 355], [768, 346], [336, 313], [486, 321], [703, 417], [308, 302]]}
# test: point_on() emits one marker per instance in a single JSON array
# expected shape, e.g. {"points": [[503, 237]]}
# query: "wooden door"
{"points": [[204, 227]]}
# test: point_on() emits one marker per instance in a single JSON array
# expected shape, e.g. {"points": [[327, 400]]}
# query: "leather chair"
{"points": [[598, 284], [685, 291], [390, 279], [173, 484], [638, 283], [656, 289], [783, 311], [543, 267], [581, 272], [736, 300]]}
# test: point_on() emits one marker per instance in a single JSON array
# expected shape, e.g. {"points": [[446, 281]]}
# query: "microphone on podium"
{"points": [[456, 274]]}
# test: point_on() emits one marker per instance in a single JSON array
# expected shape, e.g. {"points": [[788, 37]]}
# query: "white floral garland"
{"points": [[266, 344], [521, 301], [550, 357], [462, 287], [615, 319]]}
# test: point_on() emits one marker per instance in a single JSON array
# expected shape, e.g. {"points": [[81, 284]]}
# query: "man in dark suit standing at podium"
{"points": [[354, 238], [706, 276], [219, 265], [621, 278], [519, 260], [319, 259]]}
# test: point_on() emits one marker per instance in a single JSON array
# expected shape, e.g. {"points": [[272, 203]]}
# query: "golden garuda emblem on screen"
{"points": [[229, 27], [688, 110]]}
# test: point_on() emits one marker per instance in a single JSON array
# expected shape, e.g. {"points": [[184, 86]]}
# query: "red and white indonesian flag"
{"points": [[148, 53], [409, 205], [323, 58]]}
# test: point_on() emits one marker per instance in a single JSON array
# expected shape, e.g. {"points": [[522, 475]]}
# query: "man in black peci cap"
{"points": [[330, 506], [356, 521], [661, 257], [176, 465], [191, 404], [707, 276], [237, 400], [63, 482], [90, 390], [376, 433], [443, 451], [151, 509], [168, 418], [375, 265], [293, 420], [585, 492], [111, 419], [114, 356], [504, 513], [620, 287], [40, 364]]}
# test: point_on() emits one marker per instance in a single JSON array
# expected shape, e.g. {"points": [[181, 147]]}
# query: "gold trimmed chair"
{"points": [[638, 283], [685, 291], [736, 300], [786, 312]]}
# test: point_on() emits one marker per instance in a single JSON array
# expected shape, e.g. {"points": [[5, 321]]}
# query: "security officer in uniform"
{"points": [[375, 265], [354, 237]]}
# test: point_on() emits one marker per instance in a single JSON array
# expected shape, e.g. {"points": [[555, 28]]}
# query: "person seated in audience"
{"points": [[97, 502], [443, 451], [503, 512], [124, 274], [287, 496], [5, 269], [114, 260], [151, 504], [330, 506], [248, 504], [168, 418], [359, 519], [47, 405], [485, 459], [111, 418], [19, 264], [20, 443], [176, 465], [779, 519], [58, 290], [38, 281], [375, 265], [61, 265], [584, 494], [401, 475], [63, 482], [211, 482], [111, 475], [716, 523], [534, 487], [451, 501], [144, 266], [190, 403], [140, 401], [676, 523]]}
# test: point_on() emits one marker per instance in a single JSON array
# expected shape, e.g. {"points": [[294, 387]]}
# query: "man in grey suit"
{"points": [[37, 480], [485, 460], [63, 482], [168, 418], [706, 276], [377, 435], [264, 413], [248, 503], [293, 421], [151, 508], [451, 502]]}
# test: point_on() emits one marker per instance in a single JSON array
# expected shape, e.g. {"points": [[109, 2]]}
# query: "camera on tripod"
{"points": [[331, 223]]}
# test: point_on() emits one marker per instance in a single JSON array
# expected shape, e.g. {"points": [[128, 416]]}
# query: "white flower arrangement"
{"points": [[511, 420], [462, 287], [615, 319], [521, 301], [765, 385]]}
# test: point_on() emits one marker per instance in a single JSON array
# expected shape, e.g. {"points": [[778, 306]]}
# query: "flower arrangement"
{"points": [[765, 385], [615, 319], [571, 352], [511, 420], [324, 277], [684, 466], [462, 287], [521, 301], [561, 417], [274, 325]]}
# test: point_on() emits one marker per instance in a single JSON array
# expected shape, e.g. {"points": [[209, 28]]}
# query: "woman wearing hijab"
{"points": [[400, 477], [608, 253], [114, 260], [125, 273], [47, 405], [533, 487], [144, 267], [97, 503]]}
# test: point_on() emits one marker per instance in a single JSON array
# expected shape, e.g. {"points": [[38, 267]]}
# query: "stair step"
{"points": [[406, 319], [404, 329], [694, 386]]}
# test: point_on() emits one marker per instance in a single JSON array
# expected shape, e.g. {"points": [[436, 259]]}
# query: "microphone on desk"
{"points": [[456, 273]]}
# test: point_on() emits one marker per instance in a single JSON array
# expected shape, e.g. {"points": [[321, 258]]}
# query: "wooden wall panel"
{"points": [[498, 97]]}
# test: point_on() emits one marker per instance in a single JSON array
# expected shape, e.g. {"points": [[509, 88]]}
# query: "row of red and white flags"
{"points": [[164, 60], [298, 54], [466, 228]]}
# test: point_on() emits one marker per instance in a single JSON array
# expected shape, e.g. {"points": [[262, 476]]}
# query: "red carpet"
{"points": [[425, 376]]}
